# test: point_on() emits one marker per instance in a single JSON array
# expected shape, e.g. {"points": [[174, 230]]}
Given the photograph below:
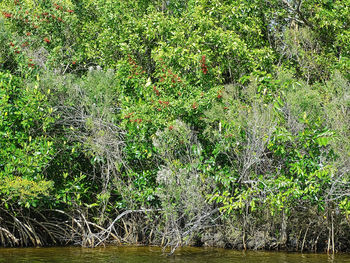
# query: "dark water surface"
{"points": [[155, 254]]}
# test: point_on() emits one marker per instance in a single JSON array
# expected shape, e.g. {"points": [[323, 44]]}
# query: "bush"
{"points": [[26, 150]]}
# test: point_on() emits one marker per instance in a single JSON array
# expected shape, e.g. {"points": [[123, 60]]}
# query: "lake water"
{"points": [[155, 254]]}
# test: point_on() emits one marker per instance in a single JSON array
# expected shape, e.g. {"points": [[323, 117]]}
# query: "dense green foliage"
{"points": [[207, 122], [25, 147]]}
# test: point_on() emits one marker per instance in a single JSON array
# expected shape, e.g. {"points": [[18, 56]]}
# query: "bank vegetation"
{"points": [[206, 123]]}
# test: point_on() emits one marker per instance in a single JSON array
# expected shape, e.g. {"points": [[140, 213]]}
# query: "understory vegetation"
{"points": [[207, 123]]}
